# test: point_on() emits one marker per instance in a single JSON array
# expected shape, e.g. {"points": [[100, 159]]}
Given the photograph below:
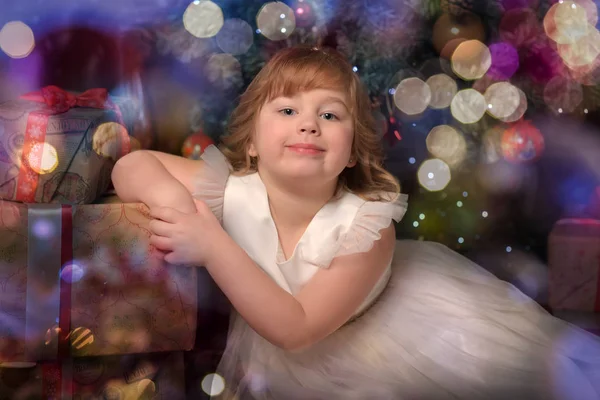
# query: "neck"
{"points": [[295, 203]]}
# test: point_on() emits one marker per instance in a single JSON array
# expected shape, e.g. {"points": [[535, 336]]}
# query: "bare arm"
{"points": [[327, 301], [156, 179]]}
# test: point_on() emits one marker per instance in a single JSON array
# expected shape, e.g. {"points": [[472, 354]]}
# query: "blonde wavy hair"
{"points": [[297, 69]]}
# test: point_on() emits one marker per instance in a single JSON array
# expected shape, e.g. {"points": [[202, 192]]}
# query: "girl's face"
{"points": [[308, 135]]}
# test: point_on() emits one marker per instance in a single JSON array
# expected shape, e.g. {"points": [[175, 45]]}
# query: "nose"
{"points": [[309, 126]]}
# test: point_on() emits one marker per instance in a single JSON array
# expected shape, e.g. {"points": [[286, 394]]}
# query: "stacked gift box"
{"points": [[89, 309], [574, 272], [138, 376]]}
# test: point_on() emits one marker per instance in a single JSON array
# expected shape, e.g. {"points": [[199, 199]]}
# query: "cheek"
{"points": [[266, 141], [344, 139]]}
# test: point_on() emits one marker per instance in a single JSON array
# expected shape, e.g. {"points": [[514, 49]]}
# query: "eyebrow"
{"points": [[333, 99]]}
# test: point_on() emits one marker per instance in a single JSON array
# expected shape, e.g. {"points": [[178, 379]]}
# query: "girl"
{"points": [[293, 220]]}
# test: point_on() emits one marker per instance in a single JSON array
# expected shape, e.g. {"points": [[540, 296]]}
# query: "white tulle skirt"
{"points": [[444, 328]]}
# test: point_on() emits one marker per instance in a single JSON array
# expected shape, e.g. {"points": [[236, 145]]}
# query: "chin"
{"points": [[301, 172]]}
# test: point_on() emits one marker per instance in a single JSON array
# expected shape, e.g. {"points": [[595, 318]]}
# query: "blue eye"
{"points": [[287, 111], [329, 116]]}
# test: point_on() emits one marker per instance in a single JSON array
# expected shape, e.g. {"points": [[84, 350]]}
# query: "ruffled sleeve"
{"points": [[371, 217], [211, 181]]}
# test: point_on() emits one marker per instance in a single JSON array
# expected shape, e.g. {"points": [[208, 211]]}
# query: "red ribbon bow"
{"points": [[60, 101], [57, 101]]}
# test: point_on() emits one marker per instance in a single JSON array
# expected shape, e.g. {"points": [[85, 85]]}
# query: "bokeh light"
{"points": [[16, 39], [443, 89], [447, 144], [43, 229], [203, 18], [224, 70], [412, 96], [522, 142], [213, 384], [434, 175], [471, 60], [468, 106], [566, 22], [235, 37], [591, 10], [450, 30], [107, 140], [72, 272], [502, 99], [587, 75], [491, 145], [43, 158], [583, 52], [520, 110], [563, 95], [276, 21], [505, 61]]}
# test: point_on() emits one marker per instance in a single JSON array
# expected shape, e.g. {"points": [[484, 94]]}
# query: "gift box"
{"points": [[84, 281], [58, 147], [146, 376], [574, 265]]}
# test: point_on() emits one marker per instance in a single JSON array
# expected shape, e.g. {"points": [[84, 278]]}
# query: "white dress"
{"points": [[435, 326]]}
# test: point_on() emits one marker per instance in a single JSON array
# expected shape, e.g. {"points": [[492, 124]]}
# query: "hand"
{"points": [[187, 239]]}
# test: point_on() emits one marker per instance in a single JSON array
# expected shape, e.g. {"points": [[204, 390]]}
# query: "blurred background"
{"points": [[488, 110]]}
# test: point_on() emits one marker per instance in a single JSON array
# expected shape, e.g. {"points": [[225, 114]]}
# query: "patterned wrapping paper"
{"points": [[147, 376], [574, 265], [52, 155], [84, 281]]}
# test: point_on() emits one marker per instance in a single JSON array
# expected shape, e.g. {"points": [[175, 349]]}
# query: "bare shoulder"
{"points": [[333, 295]]}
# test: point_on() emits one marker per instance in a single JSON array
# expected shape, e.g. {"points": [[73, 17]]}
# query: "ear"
{"points": [[252, 150], [352, 162]]}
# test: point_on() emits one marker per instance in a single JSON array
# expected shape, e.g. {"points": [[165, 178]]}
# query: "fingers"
{"points": [[171, 258], [161, 243], [160, 228]]}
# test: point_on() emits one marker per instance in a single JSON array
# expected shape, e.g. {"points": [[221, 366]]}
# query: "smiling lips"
{"points": [[306, 148]]}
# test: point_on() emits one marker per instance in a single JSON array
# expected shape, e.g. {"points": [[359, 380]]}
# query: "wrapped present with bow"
{"points": [[140, 376], [84, 281], [574, 266], [59, 147]]}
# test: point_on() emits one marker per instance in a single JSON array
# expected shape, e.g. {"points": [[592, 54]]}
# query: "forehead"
{"points": [[291, 79], [317, 96]]}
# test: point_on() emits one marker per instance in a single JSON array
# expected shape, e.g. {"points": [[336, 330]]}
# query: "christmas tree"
{"points": [[479, 192]]}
